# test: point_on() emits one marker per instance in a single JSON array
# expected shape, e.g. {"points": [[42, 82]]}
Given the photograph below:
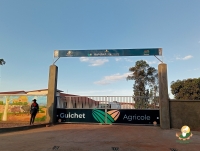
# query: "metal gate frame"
{"points": [[105, 103]]}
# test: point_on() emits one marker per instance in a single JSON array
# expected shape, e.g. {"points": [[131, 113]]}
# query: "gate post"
{"points": [[51, 96], [163, 96]]}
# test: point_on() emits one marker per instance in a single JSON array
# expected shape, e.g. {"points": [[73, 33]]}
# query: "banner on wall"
{"points": [[109, 117], [16, 108]]}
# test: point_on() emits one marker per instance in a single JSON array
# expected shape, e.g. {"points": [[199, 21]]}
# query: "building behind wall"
{"points": [[62, 98], [65, 100], [15, 105]]}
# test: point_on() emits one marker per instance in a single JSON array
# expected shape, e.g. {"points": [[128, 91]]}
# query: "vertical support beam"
{"points": [[163, 96], [51, 97], [106, 103]]}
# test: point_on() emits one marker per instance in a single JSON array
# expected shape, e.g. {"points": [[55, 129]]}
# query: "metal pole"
{"points": [[106, 110], [56, 60], [158, 59]]}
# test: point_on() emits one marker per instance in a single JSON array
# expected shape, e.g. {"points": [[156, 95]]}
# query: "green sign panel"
{"points": [[108, 52], [108, 117]]}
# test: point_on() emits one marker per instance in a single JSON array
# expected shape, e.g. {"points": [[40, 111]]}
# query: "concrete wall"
{"points": [[184, 113]]}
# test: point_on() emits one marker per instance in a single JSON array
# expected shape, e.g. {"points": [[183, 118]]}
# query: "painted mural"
{"points": [[16, 108]]}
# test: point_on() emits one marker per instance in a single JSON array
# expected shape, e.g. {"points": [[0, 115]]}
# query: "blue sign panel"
{"points": [[108, 52]]}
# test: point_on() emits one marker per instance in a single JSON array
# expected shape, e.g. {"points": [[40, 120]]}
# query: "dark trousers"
{"points": [[32, 118]]}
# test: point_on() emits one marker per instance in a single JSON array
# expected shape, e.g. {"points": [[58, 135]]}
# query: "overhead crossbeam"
{"points": [[108, 52]]}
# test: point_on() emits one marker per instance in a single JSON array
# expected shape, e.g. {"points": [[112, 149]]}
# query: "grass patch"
{"points": [[41, 111], [1, 114], [42, 119]]}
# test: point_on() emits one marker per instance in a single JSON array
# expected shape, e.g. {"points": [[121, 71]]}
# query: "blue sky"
{"points": [[30, 31]]}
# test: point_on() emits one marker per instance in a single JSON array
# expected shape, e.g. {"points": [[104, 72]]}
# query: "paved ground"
{"points": [[77, 137], [14, 124]]}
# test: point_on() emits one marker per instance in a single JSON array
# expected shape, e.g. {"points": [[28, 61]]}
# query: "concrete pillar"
{"points": [[69, 103], [59, 103], [51, 96], [163, 96]]}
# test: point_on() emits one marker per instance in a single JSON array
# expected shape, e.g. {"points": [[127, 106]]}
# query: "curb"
{"points": [[22, 128]]}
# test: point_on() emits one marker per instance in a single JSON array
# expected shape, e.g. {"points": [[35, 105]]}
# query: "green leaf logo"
{"points": [[100, 116]]}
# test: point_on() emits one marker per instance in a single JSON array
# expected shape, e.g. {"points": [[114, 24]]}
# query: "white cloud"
{"points": [[199, 42], [94, 62], [93, 92], [106, 92], [187, 57], [128, 60], [184, 58], [123, 59], [132, 60], [118, 59], [196, 69], [84, 59], [152, 62], [112, 78]]}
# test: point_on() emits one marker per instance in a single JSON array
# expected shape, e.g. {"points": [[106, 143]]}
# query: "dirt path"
{"points": [[77, 137]]}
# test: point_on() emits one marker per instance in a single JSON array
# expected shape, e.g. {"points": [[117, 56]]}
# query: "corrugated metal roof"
{"points": [[13, 92], [43, 90]]}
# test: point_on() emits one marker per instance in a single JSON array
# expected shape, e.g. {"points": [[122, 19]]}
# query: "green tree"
{"points": [[2, 62], [145, 78], [188, 89]]}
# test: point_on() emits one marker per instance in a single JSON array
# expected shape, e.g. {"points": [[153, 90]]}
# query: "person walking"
{"points": [[33, 111]]}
